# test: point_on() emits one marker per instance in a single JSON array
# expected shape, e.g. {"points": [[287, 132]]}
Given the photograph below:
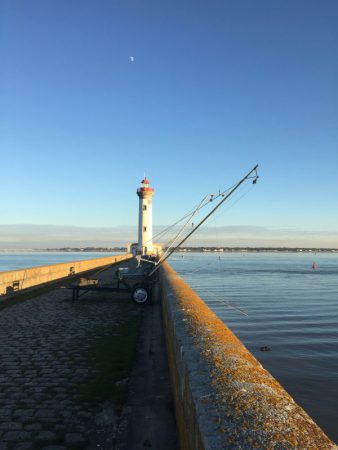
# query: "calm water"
{"points": [[22, 260], [291, 308]]}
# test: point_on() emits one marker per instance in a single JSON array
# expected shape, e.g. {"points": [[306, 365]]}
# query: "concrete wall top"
{"points": [[236, 403], [14, 280]]}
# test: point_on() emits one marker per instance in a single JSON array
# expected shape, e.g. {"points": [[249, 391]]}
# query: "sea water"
{"points": [[278, 300]]}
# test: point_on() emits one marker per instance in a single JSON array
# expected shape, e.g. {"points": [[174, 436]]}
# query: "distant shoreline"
{"points": [[204, 249], [257, 249]]}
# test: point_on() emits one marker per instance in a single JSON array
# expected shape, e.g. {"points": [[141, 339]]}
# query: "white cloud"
{"points": [[52, 236]]}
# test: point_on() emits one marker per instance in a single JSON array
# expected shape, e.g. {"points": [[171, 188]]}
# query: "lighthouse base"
{"points": [[156, 250]]}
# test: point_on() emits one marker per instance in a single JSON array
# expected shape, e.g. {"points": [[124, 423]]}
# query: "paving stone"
{"points": [[74, 438], [66, 413], [54, 447], [16, 436], [39, 397], [60, 389], [85, 414], [33, 427], [45, 413], [49, 420], [13, 372], [16, 396], [46, 436], [23, 412], [29, 402], [60, 427], [41, 345], [10, 426], [24, 446]]}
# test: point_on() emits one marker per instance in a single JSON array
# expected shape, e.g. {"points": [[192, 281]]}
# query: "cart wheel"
{"points": [[140, 294]]}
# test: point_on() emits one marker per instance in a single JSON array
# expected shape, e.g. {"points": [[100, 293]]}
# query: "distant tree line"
{"points": [[255, 249], [87, 249]]}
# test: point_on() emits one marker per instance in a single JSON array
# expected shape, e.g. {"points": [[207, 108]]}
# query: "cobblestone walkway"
{"points": [[42, 363]]}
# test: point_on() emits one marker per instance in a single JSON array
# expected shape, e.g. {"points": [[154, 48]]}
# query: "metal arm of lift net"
{"points": [[201, 204]]}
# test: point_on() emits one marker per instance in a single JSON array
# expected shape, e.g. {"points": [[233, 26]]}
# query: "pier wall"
{"points": [[16, 280], [223, 396]]}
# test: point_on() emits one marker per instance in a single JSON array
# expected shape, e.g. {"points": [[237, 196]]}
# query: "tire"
{"points": [[140, 294]]}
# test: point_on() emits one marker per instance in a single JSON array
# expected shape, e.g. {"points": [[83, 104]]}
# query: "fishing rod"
{"points": [[246, 177]]}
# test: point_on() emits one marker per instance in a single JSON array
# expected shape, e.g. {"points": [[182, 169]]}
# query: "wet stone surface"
{"points": [[43, 343]]}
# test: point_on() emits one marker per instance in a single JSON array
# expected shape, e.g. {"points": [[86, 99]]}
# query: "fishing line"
{"points": [[213, 210], [226, 208], [205, 201], [213, 220], [163, 232], [220, 267], [179, 234], [203, 222], [220, 299], [227, 303], [198, 268], [208, 202]]}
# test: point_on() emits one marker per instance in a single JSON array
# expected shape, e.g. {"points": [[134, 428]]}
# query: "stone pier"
{"points": [[224, 398], [65, 372]]}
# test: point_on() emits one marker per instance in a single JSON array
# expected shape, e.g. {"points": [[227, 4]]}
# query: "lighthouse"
{"points": [[145, 224]]}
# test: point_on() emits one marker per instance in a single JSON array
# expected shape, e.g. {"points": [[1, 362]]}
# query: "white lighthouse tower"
{"points": [[145, 224]]}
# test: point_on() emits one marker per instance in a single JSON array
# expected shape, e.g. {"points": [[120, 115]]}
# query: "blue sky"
{"points": [[215, 87]]}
